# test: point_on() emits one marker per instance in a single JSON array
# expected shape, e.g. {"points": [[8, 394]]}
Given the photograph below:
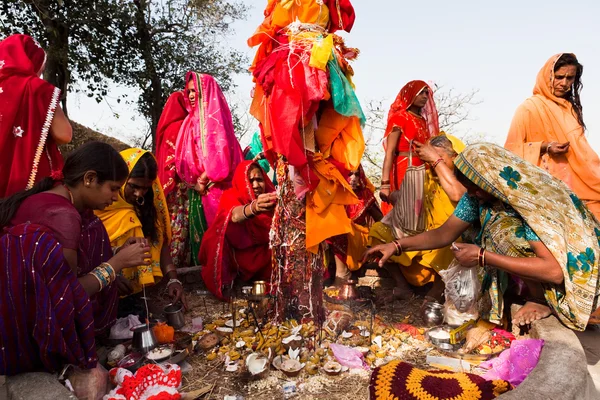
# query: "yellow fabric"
{"points": [[321, 52], [325, 212], [121, 223], [358, 239], [418, 265], [415, 273], [305, 11], [341, 138], [547, 118]]}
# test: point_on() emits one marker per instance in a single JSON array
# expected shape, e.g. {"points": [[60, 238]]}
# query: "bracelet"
{"points": [[398, 247], [116, 249], [481, 257], [244, 211], [170, 268], [435, 164], [386, 186], [111, 271], [385, 182], [174, 280], [548, 147], [251, 209]]}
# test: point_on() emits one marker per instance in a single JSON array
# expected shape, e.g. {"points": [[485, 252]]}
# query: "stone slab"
{"points": [[38, 386]]}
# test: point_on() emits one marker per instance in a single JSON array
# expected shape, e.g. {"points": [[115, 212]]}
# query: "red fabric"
{"points": [[292, 97], [366, 198], [341, 14], [232, 249], [27, 103], [167, 131], [59, 216], [412, 126]]}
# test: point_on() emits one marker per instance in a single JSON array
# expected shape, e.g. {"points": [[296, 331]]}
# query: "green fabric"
{"points": [[344, 98], [198, 224], [531, 196]]}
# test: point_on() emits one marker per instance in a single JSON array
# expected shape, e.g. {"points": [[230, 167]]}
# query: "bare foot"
{"points": [[531, 312]]}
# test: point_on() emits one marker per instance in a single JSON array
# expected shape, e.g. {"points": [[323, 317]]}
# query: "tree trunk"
{"points": [[154, 92], [57, 52]]}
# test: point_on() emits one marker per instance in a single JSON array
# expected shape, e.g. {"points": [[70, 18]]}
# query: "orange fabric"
{"points": [[547, 118], [278, 15], [341, 138], [325, 206]]}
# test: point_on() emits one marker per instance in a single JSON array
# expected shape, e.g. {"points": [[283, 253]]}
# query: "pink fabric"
{"points": [[207, 142], [515, 364]]}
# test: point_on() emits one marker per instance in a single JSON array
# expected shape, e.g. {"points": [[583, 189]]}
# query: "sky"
{"points": [[495, 48]]}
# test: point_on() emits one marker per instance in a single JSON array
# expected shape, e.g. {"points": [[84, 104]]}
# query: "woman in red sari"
{"points": [[412, 117], [56, 291], [237, 243], [32, 123]]}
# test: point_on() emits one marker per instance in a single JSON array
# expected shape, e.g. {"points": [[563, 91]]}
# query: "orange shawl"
{"points": [[547, 118]]}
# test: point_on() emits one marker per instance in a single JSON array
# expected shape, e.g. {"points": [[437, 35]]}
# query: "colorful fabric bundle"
{"points": [[150, 382], [401, 381]]}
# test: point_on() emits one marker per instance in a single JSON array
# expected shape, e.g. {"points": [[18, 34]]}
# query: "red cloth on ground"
{"points": [[167, 131], [237, 249], [27, 106]]}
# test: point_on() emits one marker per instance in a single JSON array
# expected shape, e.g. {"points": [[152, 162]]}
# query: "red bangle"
{"points": [[435, 164], [480, 257], [398, 247]]}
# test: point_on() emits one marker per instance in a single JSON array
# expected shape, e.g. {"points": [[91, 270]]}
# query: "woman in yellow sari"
{"points": [[141, 213], [442, 192]]}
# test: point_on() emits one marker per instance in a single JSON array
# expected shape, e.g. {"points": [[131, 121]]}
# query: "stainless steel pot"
{"points": [[143, 338], [175, 317], [432, 314]]}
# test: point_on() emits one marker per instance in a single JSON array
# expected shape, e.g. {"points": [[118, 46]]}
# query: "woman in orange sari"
{"points": [[548, 130]]}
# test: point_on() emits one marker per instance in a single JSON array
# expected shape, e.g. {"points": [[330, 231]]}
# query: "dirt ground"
{"points": [[351, 384]]}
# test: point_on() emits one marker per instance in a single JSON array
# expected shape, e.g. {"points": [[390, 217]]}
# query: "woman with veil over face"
{"points": [[197, 153]]}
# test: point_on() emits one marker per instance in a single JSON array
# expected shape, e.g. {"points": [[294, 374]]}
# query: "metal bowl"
{"points": [[441, 343], [132, 362], [143, 338], [433, 314], [175, 317]]}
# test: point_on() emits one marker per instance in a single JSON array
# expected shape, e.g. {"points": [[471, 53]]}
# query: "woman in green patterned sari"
{"points": [[532, 227]]}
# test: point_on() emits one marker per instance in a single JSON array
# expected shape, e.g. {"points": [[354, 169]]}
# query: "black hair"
{"points": [[442, 142], [573, 96], [92, 156], [147, 168]]}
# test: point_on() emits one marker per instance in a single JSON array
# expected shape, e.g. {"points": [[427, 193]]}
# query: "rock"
{"points": [[38, 386]]}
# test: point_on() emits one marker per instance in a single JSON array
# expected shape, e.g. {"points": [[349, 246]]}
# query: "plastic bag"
{"points": [[348, 356], [463, 290], [88, 384], [122, 328]]}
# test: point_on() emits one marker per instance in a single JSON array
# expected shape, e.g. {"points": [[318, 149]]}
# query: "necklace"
{"points": [[70, 194]]}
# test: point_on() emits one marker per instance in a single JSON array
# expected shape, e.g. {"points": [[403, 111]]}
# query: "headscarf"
{"points": [[167, 132], [27, 106], [561, 221], [219, 268], [122, 222], [206, 141], [546, 117], [405, 99], [341, 15]]}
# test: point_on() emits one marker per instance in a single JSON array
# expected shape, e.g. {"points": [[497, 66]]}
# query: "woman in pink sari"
{"points": [[204, 155]]}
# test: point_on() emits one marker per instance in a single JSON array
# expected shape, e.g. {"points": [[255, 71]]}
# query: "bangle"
{"points": [[386, 186], [252, 211], [174, 280], [398, 247], [483, 258], [480, 256], [111, 271], [244, 211], [116, 249], [385, 182], [548, 147], [435, 164]]}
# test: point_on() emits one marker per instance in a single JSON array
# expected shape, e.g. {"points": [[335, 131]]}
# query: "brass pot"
{"points": [[259, 288], [349, 291]]}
